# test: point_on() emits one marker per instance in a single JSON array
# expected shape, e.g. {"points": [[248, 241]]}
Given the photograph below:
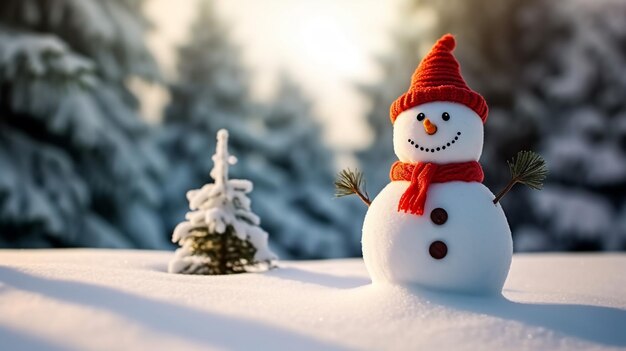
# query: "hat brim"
{"points": [[449, 93]]}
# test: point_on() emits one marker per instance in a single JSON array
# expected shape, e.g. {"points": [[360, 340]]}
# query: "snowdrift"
{"points": [[125, 300]]}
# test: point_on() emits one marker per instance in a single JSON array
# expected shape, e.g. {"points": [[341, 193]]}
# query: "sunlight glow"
{"points": [[326, 45], [324, 41]]}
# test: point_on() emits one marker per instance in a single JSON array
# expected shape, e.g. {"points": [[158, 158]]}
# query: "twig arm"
{"points": [[526, 168], [504, 191], [366, 200]]}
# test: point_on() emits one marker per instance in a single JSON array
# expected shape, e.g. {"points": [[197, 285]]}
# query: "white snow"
{"points": [[476, 234], [462, 134], [125, 300], [38, 55]]}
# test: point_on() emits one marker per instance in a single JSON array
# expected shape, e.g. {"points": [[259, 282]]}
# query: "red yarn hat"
{"points": [[438, 78]]}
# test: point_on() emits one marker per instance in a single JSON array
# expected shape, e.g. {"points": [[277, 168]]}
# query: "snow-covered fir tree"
{"points": [[221, 234], [579, 88], [211, 92], [78, 165], [296, 174]]}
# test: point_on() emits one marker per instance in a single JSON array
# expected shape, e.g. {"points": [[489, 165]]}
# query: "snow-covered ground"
{"points": [[125, 300]]}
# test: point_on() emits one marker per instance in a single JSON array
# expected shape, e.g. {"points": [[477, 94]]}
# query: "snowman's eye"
{"points": [[421, 116], [445, 116]]}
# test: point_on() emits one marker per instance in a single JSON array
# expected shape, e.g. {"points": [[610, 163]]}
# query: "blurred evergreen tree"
{"points": [[297, 167], [577, 95], [279, 146], [78, 164]]}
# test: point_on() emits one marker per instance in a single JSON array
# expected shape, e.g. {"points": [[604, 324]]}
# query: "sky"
{"points": [[326, 45]]}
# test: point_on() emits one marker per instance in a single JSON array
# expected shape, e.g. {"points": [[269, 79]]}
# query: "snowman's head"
{"points": [[439, 119], [439, 132]]}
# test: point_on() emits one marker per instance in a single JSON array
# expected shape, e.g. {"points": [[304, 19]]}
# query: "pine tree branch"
{"points": [[527, 168], [350, 182]]}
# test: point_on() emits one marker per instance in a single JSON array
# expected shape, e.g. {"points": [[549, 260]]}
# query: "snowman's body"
{"points": [[466, 246], [476, 236]]}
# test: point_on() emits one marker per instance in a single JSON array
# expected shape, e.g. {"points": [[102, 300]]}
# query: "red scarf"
{"points": [[421, 175]]}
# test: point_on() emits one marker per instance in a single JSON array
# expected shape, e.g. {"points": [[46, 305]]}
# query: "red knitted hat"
{"points": [[438, 78]]}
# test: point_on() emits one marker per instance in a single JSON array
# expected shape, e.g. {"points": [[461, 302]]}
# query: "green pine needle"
{"points": [[351, 182], [529, 168], [348, 182]]}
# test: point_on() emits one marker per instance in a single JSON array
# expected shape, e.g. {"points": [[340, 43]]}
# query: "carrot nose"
{"points": [[430, 127]]}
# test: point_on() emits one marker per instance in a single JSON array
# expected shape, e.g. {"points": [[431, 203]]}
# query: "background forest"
{"points": [[81, 165]]}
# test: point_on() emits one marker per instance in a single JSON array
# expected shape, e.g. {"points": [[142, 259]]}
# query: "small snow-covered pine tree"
{"points": [[221, 235]]}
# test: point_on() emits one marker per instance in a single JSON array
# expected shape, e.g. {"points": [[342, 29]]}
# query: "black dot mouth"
{"points": [[436, 148]]}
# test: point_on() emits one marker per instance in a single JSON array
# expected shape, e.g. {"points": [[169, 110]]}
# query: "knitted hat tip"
{"points": [[447, 41], [438, 78]]}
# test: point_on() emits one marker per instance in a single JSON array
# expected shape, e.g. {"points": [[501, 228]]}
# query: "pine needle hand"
{"points": [[350, 182], [527, 168]]}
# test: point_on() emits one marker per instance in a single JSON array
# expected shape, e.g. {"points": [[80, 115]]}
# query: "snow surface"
{"points": [[123, 300]]}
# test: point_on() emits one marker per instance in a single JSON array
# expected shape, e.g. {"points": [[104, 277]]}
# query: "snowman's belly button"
{"points": [[461, 242]]}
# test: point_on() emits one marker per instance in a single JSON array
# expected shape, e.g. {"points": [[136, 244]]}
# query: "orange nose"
{"points": [[430, 127]]}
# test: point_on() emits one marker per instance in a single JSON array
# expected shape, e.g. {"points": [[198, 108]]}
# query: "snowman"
{"points": [[436, 225]]}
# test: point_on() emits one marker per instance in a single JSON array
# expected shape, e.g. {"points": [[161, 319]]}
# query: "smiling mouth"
{"points": [[437, 148]]}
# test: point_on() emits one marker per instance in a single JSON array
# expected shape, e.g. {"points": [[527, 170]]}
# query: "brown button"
{"points": [[439, 216], [438, 250]]}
